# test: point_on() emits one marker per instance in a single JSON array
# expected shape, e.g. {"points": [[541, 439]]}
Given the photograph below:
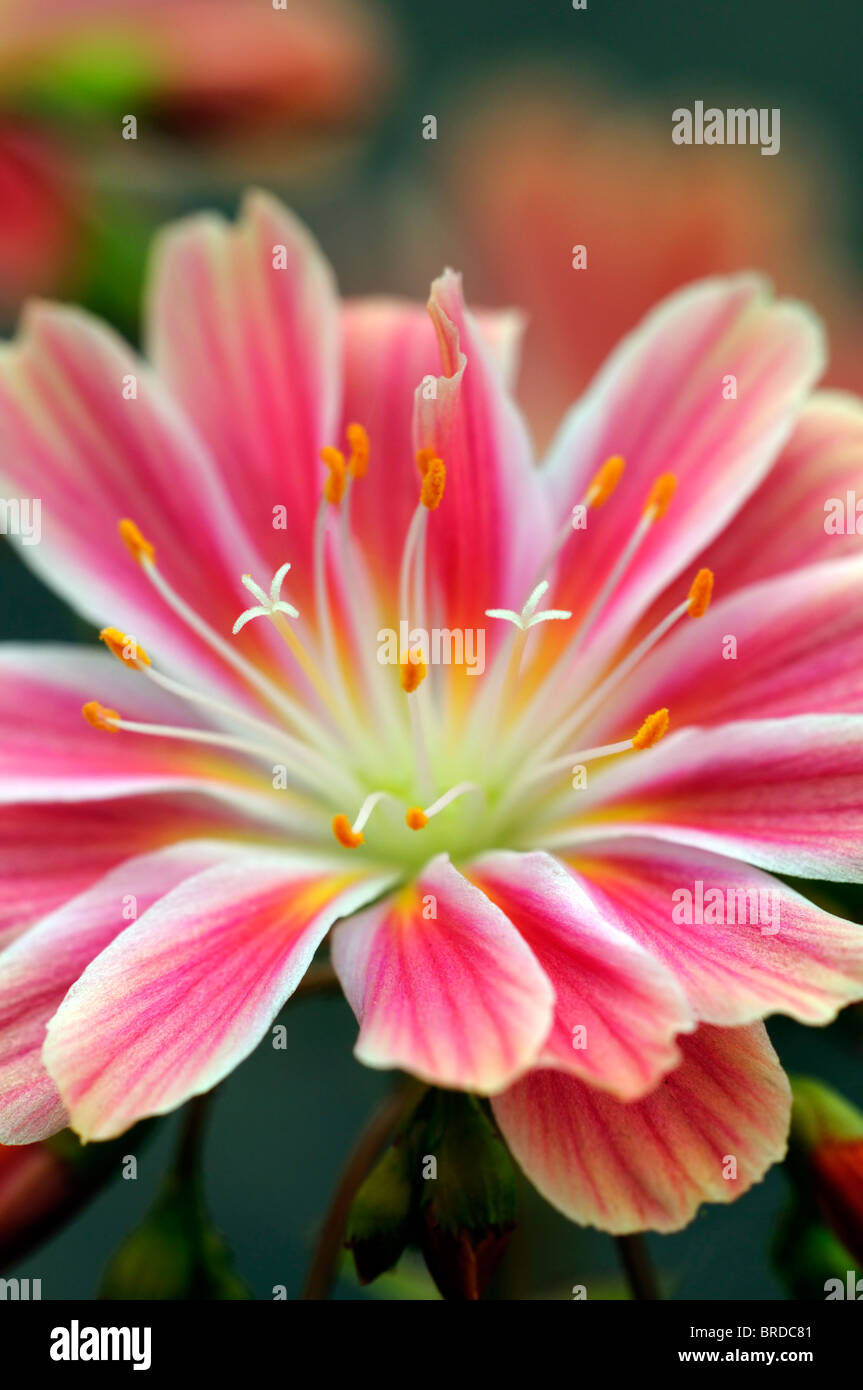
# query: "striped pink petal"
{"points": [[617, 1009], [37, 971], [789, 644], [243, 327], [49, 753], [706, 1134], [782, 526], [184, 995], [443, 985], [659, 402], [51, 853], [88, 429], [741, 943], [785, 794], [493, 528]]}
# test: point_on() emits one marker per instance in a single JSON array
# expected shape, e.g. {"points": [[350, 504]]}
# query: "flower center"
{"points": [[392, 774]]}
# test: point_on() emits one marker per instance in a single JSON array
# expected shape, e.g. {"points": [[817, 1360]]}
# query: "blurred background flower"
{"points": [[223, 91], [545, 165]]}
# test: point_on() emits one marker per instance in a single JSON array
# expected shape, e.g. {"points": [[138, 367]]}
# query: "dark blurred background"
{"points": [[553, 129]]}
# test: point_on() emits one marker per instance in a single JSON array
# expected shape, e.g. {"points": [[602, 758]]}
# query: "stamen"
{"points": [[341, 710], [649, 733], [100, 717], [95, 714], [700, 594], [366, 809], [125, 648], [433, 484], [359, 443], [139, 548], [412, 567], [652, 730], [660, 495], [364, 619], [334, 487], [316, 770], [344, 834], [352, 835], [694, 606], [413, 671], [655, 507], [604, 482], [600, 488], [417, 817], [290, 708]]}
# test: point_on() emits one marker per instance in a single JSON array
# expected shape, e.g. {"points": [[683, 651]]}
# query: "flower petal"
{"points": [[797, 649], [741, 943], [184, 995], [785, 794], [243, 326], [50, 853], [443, 985], [617, 1009], [649, 1165], [37, 971], [88, 430], [659, 402], [493, 527], [389, 347], [784, 524], [48, 753]]}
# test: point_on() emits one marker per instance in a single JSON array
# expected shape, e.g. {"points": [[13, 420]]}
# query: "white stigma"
{"points": [[529, 617], [267, 604]]}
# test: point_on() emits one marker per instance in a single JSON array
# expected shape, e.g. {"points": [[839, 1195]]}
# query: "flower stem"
{"points": [[189, 1151], [637, 1266], [325, 1261]]}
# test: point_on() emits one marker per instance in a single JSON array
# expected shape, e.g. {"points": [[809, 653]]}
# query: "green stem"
{"points": [[325, 1260], [637, 1266], [187, 1163]]}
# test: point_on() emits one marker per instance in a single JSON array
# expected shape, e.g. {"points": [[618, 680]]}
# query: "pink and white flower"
{"points": [[173, 870]]}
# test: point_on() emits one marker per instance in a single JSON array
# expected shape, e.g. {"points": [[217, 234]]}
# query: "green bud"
{"points": [[806, 1255], [468, 1211], [819, 1115], [380, 1221], [175, 1254]]}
